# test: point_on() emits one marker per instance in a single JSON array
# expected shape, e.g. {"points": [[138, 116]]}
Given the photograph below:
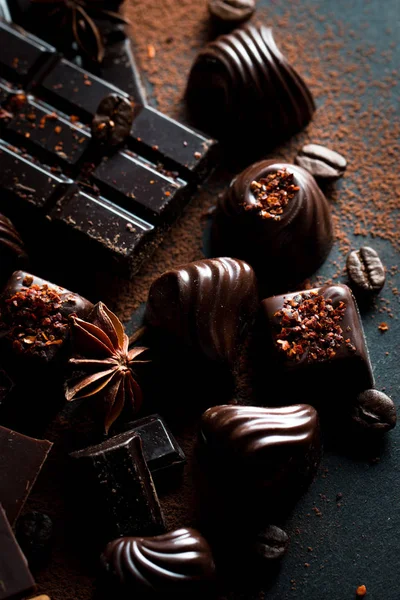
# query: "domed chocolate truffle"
{"points": [[242, 85], [207, 304], [12, 251], [179, 562], [275, 217]]}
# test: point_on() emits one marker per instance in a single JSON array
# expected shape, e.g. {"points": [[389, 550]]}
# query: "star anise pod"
{"points": [[80, 14], [102, 353]]}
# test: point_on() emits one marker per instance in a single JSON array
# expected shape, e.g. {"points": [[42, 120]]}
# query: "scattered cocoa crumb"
{"points": [[383, 327], [361, 591]]}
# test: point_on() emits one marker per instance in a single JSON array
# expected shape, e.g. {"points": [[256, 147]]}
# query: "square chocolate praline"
{"points": [[34, 319], [315, 360]]}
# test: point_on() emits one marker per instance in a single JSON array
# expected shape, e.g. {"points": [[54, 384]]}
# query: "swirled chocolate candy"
{"points": [[263, 448], [178, 562], [314, 343], [275, 217], [242, 85], [12, 251], [207, 304]]}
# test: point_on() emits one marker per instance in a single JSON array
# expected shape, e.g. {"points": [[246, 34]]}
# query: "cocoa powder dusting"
{"points": [[167, 35]]}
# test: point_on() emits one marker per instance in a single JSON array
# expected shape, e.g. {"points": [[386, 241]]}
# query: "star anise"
{"points": [[102, 353], [79, 14]]}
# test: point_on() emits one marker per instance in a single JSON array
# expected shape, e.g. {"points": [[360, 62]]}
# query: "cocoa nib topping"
{"points": [[35, 317], [309, 323], [273, 193]]}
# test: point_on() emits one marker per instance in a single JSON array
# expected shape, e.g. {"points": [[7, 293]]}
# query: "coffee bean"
{"points": [[271, 543], [323, 163], [374, 411], [365, 270], [232, 11], [113, 121]]}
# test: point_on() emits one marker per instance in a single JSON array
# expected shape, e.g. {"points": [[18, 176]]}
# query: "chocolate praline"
{"points": [[242, 86], [283, 249], [207, 304]]}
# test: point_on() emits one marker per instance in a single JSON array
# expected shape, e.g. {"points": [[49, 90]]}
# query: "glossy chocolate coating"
{"points": [[119, 490], [263, 447], [210, 305], [15, 577], [283, 252], [178, 562], [338, 378], [21, 460], [12, 251], [242, 85]]}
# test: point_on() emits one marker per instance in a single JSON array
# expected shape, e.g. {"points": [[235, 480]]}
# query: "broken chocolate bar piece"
{"points": [[16, 580], [21, 460], [120, 489], [34, 316], [160, 448]]}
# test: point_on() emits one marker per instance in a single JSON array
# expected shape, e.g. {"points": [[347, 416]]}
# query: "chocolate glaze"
{"points": [[210, 304], [338, 378], [177, 562], [12, 251], [241, 84], [283, 252]]}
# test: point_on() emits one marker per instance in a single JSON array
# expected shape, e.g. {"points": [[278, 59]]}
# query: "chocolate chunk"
{"points": [[34, 316], [240, 84], [160, 448], [12, 251], [315, 336], [21, 460], [275, 217], [374, 412], [231, 11], [179, 562], [113, 120], [271, 543], [211, 304], [321, 162], [119, 489], [365, 270], [34, 531], [15, 577], [275, 449]]}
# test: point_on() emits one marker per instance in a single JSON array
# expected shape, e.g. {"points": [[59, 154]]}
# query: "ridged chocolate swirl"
{"points": [[242, 83], [177, 562], [207, 304], [269, 445], [286, 251], [12, 251]]}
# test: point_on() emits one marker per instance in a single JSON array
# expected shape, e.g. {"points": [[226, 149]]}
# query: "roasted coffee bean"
{"points": [[34, 532], [271, 543], [113, 121], [373, 411], [365, 270], [324, 164], [232, 11]]}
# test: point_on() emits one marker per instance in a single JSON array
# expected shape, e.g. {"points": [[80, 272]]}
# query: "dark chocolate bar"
{"points": [[124, 499], [49, 160], [21, 460], [16, 580]]}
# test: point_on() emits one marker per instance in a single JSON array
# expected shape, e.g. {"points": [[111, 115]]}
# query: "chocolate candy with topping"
{"points": [[210, 305], [34, 317], [275, 217], [268, 449], [113, 120], [242, 86], [179, 562], [314, 343], [12, 251], [365, 270], [324, 164]]}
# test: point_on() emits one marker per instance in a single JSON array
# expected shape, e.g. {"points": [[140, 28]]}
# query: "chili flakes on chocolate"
{"points": [[273, 193], [310, 324], [35, 318]]}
